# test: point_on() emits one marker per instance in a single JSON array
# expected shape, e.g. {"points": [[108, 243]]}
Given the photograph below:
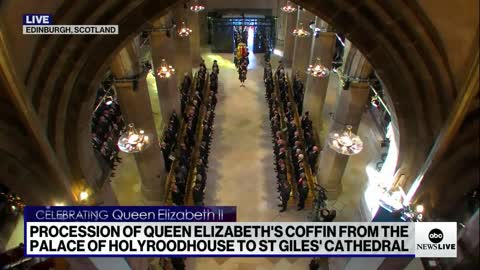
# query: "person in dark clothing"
{"points": [[313, 156], [314, 265], [302, 193], [298, 92], [306, 122], [280, 69], [175, 121], [242, 72], [201, 168], [177, 196], [166, 156], [197, 195], [202, 64], [267, 54], [178, 263], [285, 191], [187, 81], [327, 215], [215, 68]]}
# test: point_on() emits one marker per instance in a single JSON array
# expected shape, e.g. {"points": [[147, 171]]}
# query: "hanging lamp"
{"points": [[196, 6], [345, 142], [289, 8], [318, 70], [133, 141], [300, 31], [165, 71], [184, 31]]}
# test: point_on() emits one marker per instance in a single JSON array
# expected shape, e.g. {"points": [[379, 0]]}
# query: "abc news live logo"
{"points": [[436, 239], [42, 24]]}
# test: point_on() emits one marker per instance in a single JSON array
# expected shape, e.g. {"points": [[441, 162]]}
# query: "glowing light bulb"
{"points": [[83, 195]]}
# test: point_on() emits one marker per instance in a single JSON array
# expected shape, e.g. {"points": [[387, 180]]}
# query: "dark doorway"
{"points": [[222, 33]]}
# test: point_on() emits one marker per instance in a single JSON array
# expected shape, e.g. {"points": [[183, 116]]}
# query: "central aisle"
{"points": [[241, 169]]}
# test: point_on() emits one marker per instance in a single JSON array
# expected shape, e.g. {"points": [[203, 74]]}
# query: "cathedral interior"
{"points": [[368, 109]]}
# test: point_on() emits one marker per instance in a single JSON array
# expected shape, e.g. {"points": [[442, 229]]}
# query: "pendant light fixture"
{"points": [[289, 8], [165, 71], [133, 141], [184, 31], [318, 70], [196, 6], [345, 142], [300, 31]]}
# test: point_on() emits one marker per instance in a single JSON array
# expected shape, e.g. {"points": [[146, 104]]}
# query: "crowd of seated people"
{"points": [[294, 141], [204, 148], [187, 142], [169, 142], [107, 125], [279, 139]]}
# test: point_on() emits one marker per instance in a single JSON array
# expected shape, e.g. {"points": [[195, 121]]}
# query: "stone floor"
{"points": [[241, 162]]}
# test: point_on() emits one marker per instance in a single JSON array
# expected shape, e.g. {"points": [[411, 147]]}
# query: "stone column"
{"points": [[281, 22], [136, 108], [302, 46], [162, 46], [349, 110], [183, 57], [203, 31], [323, 47], [289, 42], [194, 22]]}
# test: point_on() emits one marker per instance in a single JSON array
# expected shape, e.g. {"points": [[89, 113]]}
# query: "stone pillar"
{"points": [[194, 22], [136, 108], [183, 57], [349, 110], [281, 22], [289, 41], [203, 32], [323, 47], [302, 45], [163, 47]]}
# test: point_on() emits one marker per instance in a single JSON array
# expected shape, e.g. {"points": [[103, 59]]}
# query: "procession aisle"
{"points": [[241, 169]]}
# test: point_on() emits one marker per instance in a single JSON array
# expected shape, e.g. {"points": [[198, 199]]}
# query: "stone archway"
{"points": [[395, 37]]}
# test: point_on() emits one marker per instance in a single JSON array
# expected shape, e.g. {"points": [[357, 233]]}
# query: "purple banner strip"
{"points": [[130, 214]]}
